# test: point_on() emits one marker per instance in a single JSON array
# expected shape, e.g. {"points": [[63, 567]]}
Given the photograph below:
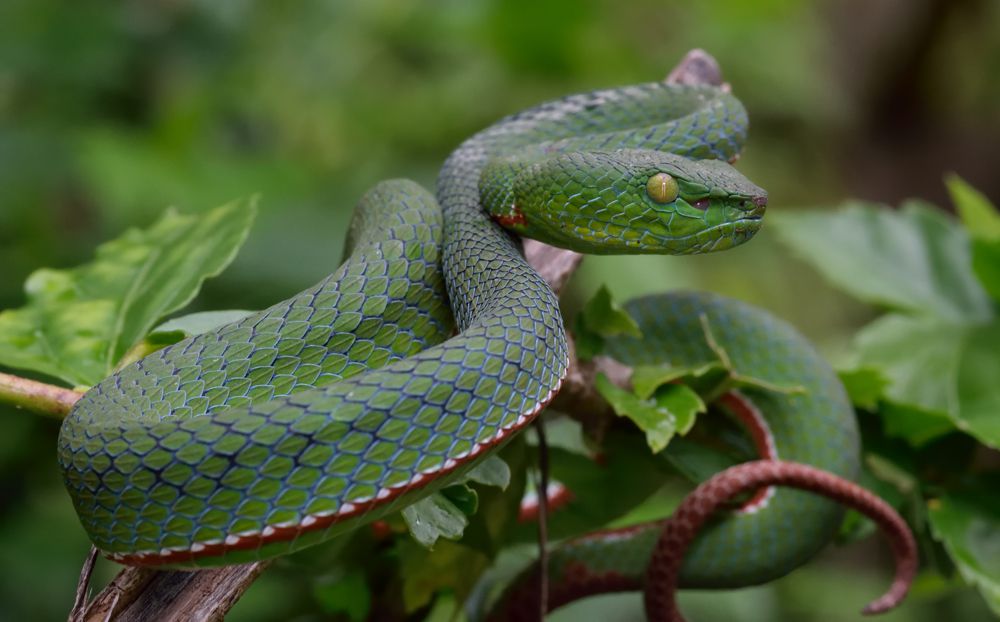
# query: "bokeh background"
{"points": [[109, 112]]}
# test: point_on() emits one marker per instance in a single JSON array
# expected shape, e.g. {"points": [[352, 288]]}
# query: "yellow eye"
{"points": [[662, 188]]}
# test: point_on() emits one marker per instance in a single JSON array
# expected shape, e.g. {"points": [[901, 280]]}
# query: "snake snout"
{"points": [[754, 206]]}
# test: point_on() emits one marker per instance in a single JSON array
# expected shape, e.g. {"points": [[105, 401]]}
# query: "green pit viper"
{"points": [[356, 397]]}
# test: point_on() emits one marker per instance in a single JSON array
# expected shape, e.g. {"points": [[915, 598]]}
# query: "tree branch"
{"points": [[38, 397]]}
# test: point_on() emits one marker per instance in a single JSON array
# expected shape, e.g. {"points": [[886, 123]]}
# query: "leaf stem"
{"points": [[37, 397]]}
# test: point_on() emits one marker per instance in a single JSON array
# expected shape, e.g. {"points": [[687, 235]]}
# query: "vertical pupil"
{"points": [[661, 188]]}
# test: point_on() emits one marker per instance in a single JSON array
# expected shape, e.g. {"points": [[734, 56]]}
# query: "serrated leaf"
{"points": [[968, 525], [456, 566], [79, 322], [443, 514], [672, 410], [916, 258], [865, 386], [434, 517]]}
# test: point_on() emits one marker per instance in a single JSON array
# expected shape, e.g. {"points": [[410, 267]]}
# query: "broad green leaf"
{"points": [[968, 525], [433, 517], [978, 384], [493, 471], [915, 425], [865, 386], [672, 409], [915, 259], [444, 514], [937, 370], [919, 356], [78, 323]]}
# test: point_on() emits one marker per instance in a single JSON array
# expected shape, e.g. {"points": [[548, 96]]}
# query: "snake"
{"points": [[434, 343]]}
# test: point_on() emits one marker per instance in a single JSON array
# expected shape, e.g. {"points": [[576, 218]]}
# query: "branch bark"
{"points": [[38, 397], [141, 594]]}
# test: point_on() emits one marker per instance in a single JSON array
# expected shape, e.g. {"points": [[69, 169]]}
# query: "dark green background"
{"points": [[109, 112]]}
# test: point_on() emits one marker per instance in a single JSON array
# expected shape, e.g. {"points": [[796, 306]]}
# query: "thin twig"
{"points": [[80, 601], [38, 397], [543, 518]]}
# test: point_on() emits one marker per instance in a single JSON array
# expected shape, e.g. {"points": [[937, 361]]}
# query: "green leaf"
{"points": [[865, 386], [937, 370], [917, 355], [646, 379], [463, 497], [601, 318], [982, 221], [915, 259], [978, 384], [79, 322], [968, 525], [979, 216], [454, 567], [444, 514], [672, 410], [915, 425], [606, 317], [434, 517], [492, 471], [986, 265]]}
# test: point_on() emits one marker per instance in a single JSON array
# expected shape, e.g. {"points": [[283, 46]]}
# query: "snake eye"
{"points": [[662, 188]]}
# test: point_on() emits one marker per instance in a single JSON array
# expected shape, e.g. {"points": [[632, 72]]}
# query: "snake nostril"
{"points": [[760, 201]]}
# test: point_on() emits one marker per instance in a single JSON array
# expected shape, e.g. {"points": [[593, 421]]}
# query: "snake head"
{"points": [[628, 201]]}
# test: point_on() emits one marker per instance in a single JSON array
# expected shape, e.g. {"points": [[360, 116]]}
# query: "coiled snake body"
{"points": [[349, 401]]}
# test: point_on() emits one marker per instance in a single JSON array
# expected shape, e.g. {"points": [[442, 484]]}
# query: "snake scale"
{"points": [[358, 396]]}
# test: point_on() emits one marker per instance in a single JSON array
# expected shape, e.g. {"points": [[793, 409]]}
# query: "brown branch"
{"points": [[38, 397], [143, 594]]}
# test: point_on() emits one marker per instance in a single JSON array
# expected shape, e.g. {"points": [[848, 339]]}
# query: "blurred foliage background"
{"points": [[110, 112]]}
